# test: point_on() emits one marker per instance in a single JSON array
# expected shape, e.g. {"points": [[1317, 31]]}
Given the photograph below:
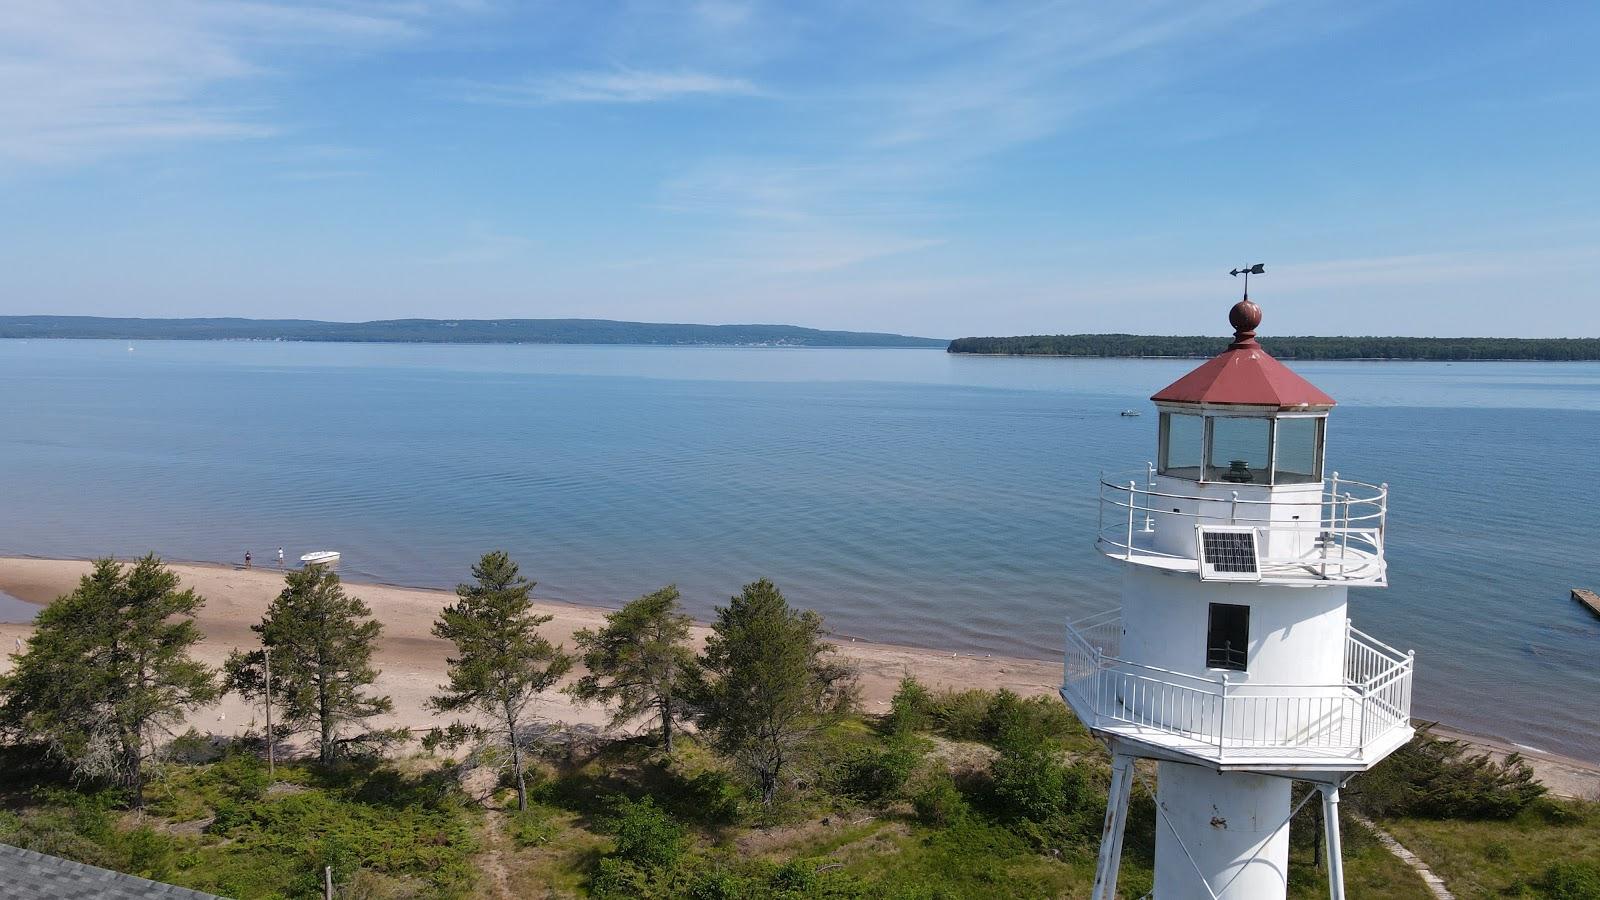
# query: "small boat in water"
{"points": [[320, 558], [1130, 412]]}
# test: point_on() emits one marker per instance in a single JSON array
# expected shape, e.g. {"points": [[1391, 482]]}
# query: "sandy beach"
{"points": [[412, 661]]}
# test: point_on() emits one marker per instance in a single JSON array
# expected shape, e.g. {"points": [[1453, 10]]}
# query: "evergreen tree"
{"points": [[640, 660], [322, 641], [769, 684], [501, 661], [107, 672]]}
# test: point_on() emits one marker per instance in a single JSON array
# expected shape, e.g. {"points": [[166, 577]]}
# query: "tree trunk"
{"points": [[666, 723], [133, 777], [516, 759], [325, 719]]}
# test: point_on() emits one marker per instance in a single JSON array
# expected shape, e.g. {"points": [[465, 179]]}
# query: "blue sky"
{"points": [[934, 167]]}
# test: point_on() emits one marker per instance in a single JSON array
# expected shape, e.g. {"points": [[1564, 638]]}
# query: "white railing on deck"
{"points": [[1344, 542], [1239, 717]]}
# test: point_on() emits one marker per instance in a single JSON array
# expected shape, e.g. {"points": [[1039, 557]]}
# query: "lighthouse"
{"points": [[1231, 661]]}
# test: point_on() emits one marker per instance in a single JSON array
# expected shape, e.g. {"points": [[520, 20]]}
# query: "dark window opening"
{"points": [[1228, 637]]}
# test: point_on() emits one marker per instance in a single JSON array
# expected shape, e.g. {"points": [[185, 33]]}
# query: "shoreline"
{"points": [[412, 662]]}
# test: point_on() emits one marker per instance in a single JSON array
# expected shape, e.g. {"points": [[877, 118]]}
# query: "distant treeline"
{"points": [[1134, 345], [448, 331]]}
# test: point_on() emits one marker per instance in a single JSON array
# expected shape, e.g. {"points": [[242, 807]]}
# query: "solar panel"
{"points": [[1228, 554]]}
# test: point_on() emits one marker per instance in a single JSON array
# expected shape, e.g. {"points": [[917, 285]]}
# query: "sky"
{"points": [[930, 167]]}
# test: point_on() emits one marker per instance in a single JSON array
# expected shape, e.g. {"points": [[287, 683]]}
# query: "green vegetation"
{"points": [[640, 662], [785, 792], [107, 672], [321, 641], [447, 331], [501, 661], [1135, 345], [768, 684]]}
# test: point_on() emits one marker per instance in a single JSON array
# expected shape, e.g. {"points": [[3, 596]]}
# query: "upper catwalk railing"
{"points": [[1229, 720], [1303, 535]]}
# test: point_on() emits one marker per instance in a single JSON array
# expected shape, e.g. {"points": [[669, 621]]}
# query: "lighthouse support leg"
{"points": [[1330, 828], [1105, 875]]}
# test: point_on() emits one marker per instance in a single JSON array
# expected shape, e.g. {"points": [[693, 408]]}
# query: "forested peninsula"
{"points": [[1141, 345], [448, 331]]}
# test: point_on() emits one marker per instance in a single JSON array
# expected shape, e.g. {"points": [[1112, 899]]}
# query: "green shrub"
{"points": [[1436, 778], [910, 710], [646, 836], [1571, 881], [876, 774], [1049, 800], [961, 714], [533, 826], [1000, 717], [939, 802]]}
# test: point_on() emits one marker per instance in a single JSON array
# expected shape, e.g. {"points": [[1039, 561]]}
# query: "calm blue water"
{"points": [[909, 495]]}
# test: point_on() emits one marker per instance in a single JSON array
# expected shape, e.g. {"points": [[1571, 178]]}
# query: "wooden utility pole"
{"points": [[266, 656]]}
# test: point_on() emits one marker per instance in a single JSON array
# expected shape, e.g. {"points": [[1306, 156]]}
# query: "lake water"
{"points": [[908, 495]]}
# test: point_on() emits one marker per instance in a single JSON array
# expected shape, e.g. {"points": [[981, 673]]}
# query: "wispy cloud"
{"points": [[612, 86], [82, 80], [481, 246]]}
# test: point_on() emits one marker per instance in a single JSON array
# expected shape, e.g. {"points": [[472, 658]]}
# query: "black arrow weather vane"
{"points": [[1247, 271]]}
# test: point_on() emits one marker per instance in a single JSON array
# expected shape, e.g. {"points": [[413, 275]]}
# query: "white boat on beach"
{"points": [[320, 558]]}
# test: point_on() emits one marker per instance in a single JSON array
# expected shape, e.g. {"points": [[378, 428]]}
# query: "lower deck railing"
{"points": [[1239, 716]]}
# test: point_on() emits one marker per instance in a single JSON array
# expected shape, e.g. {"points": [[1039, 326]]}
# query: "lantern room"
{"points": [[1243, 417]]}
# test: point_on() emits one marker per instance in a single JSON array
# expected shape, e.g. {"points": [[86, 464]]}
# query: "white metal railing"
{"points": [[1225, 716], [1336, 534]]}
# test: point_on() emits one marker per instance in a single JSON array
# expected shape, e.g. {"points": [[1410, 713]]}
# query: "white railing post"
{"points": [[1131, 489], [1222, 716], [1150, 486], [1233, 510]]}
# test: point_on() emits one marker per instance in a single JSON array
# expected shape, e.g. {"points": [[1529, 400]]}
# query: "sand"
{"points": [[412, 661]]}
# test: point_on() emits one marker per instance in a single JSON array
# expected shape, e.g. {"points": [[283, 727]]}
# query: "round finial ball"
{"points": [[1245, 316]]}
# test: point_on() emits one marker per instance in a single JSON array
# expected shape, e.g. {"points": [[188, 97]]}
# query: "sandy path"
{"points": [[412, 661]]}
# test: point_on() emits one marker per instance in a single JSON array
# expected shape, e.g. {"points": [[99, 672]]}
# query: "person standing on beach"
{"points": [[247, 559], [280, 557]]}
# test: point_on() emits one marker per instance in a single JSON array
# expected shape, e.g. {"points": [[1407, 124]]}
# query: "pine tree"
{"points": [[107, 672], [640, 660], [769, 684], [501, 661], [322, 642]]}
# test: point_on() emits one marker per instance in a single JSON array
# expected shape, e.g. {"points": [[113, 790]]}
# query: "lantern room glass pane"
{"points": [[1299, 457], [1241, 450], [1182, 444]]}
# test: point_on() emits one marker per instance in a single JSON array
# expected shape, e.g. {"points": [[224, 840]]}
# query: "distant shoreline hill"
{"points": [[448, 331], [1405, 348]]}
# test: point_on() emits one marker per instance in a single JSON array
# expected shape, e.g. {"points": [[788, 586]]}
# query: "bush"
{"points": [[1000, 717], [961, 714], [1436, 778], [646, 836], [909, 711], [876, 775], [1049, 799], [1571, 881], [939, 803]]}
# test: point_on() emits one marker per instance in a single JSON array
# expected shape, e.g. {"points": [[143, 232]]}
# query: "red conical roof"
{"points": [[1244, 374]]}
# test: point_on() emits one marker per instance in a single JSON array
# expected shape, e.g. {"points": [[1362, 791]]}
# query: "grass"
{"points": [[223, 828], [1490, 858]]}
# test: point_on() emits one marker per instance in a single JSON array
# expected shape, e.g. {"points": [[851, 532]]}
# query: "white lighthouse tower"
{"points": [[1231, 661]]}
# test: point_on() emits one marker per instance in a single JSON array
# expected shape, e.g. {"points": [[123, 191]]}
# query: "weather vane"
{"points": [[1247, 271]]}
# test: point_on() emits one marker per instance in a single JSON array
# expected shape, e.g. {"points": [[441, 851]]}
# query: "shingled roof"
{"points": [[26, 875]]}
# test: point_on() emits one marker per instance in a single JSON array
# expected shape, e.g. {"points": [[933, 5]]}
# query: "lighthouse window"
{"points": [[1299, 450], [1240, 450], [1182, 441], [1228, 637]]}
